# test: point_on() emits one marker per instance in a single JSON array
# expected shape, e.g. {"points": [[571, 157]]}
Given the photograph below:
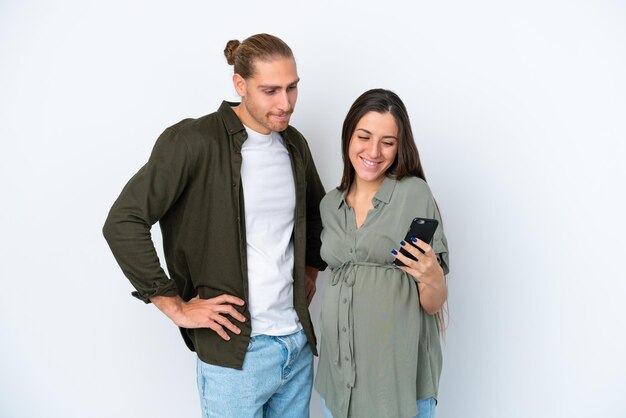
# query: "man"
{"points": [[237, 270]]}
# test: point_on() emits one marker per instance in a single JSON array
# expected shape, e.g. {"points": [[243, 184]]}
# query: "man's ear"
{"points": [[240, 84]]}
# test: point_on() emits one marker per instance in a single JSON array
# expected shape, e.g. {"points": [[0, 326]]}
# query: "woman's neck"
{"points": [[363, 191]]}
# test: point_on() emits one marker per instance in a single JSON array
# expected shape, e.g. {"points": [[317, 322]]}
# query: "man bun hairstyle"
{"points": [[263, 46], [230, 50]]}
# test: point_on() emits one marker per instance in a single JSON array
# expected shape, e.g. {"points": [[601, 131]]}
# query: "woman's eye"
{"points": [[363, 137]]}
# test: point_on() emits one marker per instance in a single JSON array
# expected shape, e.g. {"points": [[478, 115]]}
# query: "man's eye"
{"points": [[292, 87], [270, 92]]}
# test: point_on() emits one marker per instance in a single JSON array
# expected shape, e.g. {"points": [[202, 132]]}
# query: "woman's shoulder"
{"points": [[331, 199], [413, 185]]}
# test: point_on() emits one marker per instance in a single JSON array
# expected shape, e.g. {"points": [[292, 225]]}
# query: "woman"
{"points": [[380, 348]]}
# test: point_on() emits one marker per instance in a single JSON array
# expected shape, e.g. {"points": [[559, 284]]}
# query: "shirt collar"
{"points": [[383, 194], [230, 118]]}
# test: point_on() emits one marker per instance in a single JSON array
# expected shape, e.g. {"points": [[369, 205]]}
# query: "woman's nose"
{"points": [[374, 149]]}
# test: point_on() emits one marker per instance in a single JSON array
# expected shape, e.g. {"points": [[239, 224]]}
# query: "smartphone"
{"points": [[422, 229]]}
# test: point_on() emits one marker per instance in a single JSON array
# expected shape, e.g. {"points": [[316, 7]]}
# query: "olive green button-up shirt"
{"points": [[380, 351], [191, 185]]}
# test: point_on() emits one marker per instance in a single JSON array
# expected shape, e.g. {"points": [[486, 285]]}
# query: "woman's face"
{"points": [[373, 146]]}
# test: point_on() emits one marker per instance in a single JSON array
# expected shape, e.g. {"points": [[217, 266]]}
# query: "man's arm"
{"points": [[310, 286], [144, 200], [314, 194]]}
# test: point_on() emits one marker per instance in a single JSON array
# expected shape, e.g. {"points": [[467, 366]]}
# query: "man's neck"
{"points": [[245, 118]]}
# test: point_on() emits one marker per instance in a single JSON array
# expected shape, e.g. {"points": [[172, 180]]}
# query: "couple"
{"points": [[243, 275]]}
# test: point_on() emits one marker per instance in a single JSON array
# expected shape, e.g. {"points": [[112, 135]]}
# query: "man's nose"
{"points": [[283, 102]]}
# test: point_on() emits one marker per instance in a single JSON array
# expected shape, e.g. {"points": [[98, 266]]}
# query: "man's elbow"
{"points": [[108, 230]]}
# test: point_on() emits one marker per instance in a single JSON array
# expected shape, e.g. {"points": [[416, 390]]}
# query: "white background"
{"points": [[518, 109]]}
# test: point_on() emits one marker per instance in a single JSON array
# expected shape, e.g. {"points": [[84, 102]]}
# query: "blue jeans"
{"points": [[425, 408], [276, 381]]}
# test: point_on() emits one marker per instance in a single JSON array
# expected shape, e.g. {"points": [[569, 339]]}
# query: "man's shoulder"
{"points": [[197, 133], [296, 140], [294, 136], [195, 126]]}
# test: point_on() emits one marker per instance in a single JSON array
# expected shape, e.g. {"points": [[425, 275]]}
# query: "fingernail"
{"points": [[413, 239], [238, 331], [394, 252], [402, 243]]}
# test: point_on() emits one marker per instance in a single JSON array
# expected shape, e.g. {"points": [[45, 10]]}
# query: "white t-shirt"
{"points": [[270, 204]]}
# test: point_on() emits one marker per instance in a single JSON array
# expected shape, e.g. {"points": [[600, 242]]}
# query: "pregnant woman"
{"points": [[380, 324]]}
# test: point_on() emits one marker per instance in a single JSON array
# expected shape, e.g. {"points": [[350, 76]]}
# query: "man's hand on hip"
{"points": [[202, 313]]}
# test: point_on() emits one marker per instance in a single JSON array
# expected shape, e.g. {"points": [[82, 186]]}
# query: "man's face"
{"points": [[268, 97]]}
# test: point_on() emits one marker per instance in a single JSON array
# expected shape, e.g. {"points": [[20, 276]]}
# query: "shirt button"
{"points": [[234, 185], [346, 358], [350, 250], [345, 300], [348, 385], [344, 329]]}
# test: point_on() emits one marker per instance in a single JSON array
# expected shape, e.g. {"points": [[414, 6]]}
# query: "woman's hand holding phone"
{"points": [[425, 269], [416, 256]]}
